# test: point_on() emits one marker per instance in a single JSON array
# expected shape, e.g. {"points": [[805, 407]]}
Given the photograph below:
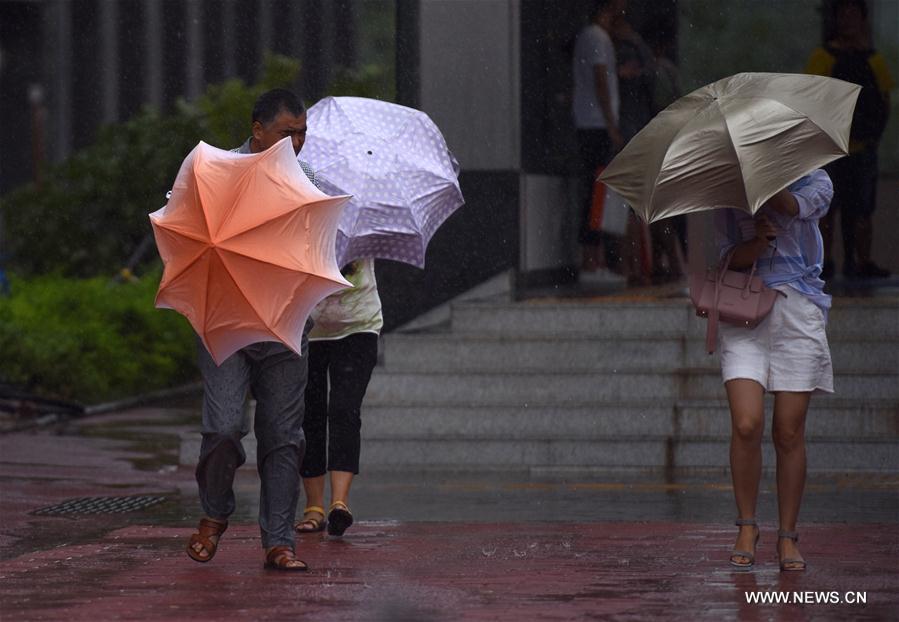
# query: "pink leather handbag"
{"points": [[729, 296]]}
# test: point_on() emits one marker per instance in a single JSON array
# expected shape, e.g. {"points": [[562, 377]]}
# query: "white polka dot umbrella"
{"points": [[395, 163]]}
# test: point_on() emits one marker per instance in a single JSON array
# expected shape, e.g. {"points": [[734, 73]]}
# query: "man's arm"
{"points": [[605, 104]]}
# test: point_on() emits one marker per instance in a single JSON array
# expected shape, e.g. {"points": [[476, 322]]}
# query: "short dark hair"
{"points": [[273, 102]]}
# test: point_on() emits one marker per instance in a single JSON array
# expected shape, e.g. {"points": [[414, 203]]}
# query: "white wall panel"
{"points": [[470, 78]]}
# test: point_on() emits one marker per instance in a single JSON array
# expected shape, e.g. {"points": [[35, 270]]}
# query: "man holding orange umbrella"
{"points": [[247, 241]]}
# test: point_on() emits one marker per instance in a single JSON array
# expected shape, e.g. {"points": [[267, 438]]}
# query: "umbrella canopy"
{"points": [[248, 247], [395, 163], [734, 143]]}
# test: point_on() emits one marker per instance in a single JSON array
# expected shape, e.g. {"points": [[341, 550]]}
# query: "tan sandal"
{"points": [[206, 530], [339, 518], [789, 564], [750, 556], [283, 558], [312, 525]]}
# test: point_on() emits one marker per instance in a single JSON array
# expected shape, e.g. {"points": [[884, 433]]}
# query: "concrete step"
{"points": [[836, 419], [651, 453], [864, 317], [842, 435], [858, 317], [645, 452], [488, 387], [445, 351], [608, 319], [450, 351]]}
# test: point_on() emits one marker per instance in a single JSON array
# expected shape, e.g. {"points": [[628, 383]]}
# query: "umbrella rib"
{"points": [[442, 182], [236, 285], [736, 156], [402, 128], [172, 277], [804, 115], [261, 224], [408, 200], [655, 181], [271, 263], [183, 232]]}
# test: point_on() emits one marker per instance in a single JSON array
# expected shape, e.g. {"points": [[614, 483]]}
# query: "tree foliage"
{"points": [[90, 212]]}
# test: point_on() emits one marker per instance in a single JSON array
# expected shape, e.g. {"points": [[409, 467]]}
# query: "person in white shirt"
{"points": [[595, 105]]}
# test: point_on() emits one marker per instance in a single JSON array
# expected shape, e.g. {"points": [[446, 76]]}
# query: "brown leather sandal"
{"points": [[283, 558], [206, 530]]}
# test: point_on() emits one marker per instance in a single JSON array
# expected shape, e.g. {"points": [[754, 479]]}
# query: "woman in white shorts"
{"points": [[786, 354]]}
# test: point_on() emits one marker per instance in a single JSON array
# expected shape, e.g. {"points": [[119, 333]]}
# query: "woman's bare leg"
{"points": [[747, 413], [788, 434], [315, 496], [340, 486]]}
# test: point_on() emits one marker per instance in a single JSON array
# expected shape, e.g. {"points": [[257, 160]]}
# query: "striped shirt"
{"points": [[795, 258]]}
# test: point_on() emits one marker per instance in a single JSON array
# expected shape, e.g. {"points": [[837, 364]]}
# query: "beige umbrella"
{"points": [[734, 143]]}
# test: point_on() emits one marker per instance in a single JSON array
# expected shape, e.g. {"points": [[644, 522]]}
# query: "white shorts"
{"points": [[787, 351]]}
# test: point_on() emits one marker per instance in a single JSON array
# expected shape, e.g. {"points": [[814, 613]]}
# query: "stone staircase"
{"points": [[605, 383]]}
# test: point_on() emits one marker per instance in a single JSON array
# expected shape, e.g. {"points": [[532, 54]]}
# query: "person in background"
{"points": [[595, 108], [636, 70], [787, 354], [343, 351], [849, 55]]}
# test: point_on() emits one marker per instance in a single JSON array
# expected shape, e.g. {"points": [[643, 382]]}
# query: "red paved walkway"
{"points": [[133, 567], [452, 571]]}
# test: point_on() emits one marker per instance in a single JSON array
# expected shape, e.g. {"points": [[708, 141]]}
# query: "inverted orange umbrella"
{"points": [[248, 247]]}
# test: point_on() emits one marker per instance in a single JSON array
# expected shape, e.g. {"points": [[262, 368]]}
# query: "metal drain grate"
{"points": [[100, 505]]}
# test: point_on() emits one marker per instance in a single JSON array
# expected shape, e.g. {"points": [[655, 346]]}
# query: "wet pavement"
{"points": [[427, 546]]}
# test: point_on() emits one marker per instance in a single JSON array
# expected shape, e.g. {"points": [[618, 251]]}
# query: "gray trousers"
{"points": [[277, 378]]}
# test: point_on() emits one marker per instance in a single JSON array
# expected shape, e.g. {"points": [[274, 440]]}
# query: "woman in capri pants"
{"points": [[786, 354], [343, 351]]}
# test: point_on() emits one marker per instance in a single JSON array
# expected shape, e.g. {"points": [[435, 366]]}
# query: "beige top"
{"points": [[354, 310]]}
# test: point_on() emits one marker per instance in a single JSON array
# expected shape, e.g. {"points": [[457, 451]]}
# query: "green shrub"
{"points": [[91, 212], [92, 340]]}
